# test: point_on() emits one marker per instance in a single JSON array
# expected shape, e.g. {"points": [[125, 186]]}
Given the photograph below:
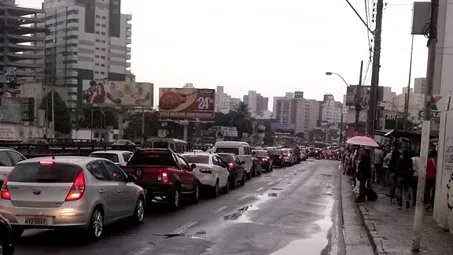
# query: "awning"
{"points": [[404, 134]]}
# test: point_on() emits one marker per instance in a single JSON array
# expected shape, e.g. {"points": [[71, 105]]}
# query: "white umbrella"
{"points": [[363, 141]]}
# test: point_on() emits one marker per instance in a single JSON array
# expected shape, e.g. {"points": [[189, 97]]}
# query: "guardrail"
{"points": [[63, 149]]}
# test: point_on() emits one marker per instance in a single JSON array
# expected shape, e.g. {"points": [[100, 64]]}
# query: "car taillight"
{"points": [[231, 165], [265, 159], [163, 177], [206, 170], [78, 188], [5, 194], [281, 157]]}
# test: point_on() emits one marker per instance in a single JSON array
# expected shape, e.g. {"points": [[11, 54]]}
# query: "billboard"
{"points": [[351, 95], [185, 103], [117, 93]]}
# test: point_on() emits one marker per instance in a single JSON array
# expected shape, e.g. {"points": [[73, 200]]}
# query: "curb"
{"points": [[374, 238], [373, 235]]}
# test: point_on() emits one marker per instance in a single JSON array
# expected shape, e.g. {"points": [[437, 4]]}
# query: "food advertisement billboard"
{"points": [[117, 93], [187, 103]]}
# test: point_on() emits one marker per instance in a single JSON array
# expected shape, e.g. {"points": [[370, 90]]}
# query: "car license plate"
{"points": [[35, 221]]}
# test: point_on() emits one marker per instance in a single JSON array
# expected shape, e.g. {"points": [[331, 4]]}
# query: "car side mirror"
{"points": [[131, 178], [192, 167]]}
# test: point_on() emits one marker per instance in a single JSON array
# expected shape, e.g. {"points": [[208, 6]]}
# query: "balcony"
{"points": [[129, 26], [128, 49], [128, 56], [128, 33], [128, 64], [128, 41]]}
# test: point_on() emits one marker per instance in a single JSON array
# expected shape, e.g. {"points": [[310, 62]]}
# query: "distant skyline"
{"points": [[269, 46]]}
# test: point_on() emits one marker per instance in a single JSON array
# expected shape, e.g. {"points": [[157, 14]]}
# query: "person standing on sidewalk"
{"points": [[392, 171], [404, 177], [430, 187], [416, 167], [364, 174], [378, 165]]}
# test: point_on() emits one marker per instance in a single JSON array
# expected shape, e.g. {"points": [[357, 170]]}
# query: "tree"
{"points": [[102, 118], [61, 112], [134, 129]]}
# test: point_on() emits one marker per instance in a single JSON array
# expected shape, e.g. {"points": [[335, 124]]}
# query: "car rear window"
{"points": [[226, 157], [261, 153], [48, 173], [110, 156], [196, 159], [275, 153], [152, 158], [227, 150]]}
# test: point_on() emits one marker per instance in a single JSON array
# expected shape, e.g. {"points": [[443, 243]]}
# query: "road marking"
{"points": [[260, 189], [185, 227], [142, 251], [220, 209], [271, 183], [244, 197]]}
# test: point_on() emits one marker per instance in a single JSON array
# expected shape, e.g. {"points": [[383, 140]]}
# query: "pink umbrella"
{"points": [[363, 141]]}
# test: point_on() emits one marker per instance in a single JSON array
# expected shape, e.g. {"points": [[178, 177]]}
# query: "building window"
{"points": [[102, 72], [97, 48], [102, 49], [102, 57], [103, 41], [97, 32], [96, 64], [103, 25], [97, 40], [96, 72], [103, 65], [103, 17], [102, 33], [98, 16], [98, 25]]}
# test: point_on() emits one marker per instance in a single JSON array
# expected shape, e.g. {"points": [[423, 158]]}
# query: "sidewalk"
{"points": [[391, 231]]}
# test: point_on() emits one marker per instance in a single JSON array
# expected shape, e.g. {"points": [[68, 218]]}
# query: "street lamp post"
{"points": [[358, 105]]}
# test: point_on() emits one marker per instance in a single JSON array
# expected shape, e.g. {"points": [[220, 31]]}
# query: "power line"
{"points": [[360, 17]]}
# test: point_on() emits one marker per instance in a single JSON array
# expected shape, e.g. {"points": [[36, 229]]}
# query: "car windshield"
{"points": [[196, 159], [226, 157], [152, 158], [48, 172], [227, 150], [110, 156], [261, 153]]}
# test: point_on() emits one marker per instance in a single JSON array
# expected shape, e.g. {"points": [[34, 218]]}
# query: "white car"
{"points": [[241, 149], [211, 171], [8, 159], [120, 158]]}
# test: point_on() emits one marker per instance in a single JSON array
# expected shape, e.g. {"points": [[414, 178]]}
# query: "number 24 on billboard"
{"points": [[204, 102]]}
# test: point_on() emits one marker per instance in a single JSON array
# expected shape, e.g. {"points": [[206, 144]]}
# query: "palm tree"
{"points": [[242, 110]]}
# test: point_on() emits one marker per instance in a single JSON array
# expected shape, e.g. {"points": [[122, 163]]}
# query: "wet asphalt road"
{"points": [[288, 211]]}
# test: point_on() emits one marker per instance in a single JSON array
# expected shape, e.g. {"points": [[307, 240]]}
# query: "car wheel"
{"points": [[215, 189], [243, 179], [17, 232], [175, 199], [233, 182], [196, 193], [96, 228], [226, 189], [139, 212]]}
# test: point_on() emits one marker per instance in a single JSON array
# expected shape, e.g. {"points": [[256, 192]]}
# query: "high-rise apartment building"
{"points": [[19, 51], [420, 85], [257, 103], [331, 111], [86, 40]]}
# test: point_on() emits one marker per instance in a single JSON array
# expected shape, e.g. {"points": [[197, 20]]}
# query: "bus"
{"points": [[177, 145]]}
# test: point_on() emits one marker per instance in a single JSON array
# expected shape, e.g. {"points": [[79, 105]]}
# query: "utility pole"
{"points": [[143, 126], [406, 106], [375, 71], [432, 43], [358, 103]]}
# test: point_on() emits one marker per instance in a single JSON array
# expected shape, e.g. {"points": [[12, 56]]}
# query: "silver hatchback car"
{"points": [[81, 192]]}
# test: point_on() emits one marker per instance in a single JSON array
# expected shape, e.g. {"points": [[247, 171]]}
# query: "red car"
{"points": [[164, 175]]}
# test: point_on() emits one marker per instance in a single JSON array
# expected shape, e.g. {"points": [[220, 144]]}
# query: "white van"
{"points": [[241, 149]]}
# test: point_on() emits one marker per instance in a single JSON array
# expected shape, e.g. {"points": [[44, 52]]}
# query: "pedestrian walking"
{"points": [[392, 167], [430, 187], [378, 165], [364, 174], [416, 167], [404, 177]]}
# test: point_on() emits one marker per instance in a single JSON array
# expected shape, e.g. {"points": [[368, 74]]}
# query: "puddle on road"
{"points": [[241, 217], [316, 243]]}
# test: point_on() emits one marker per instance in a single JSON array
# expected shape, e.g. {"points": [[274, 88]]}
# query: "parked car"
{"points": [[303, 156], [82, 192], [8, 159], [120, 158], [277, 157], [210, 170], [6, 237], [235, 168], [264, 159], [241, 149], [164, 175]]}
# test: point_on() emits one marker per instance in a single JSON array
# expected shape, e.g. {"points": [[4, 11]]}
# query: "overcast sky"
{"points": [[271, 46]]}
